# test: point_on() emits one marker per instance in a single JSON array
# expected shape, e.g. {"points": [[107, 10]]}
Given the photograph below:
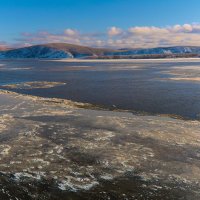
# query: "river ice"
{"points": [[78, 149]]}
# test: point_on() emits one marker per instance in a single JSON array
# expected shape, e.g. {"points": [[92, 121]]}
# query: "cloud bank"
{"points": [[116, 37]]}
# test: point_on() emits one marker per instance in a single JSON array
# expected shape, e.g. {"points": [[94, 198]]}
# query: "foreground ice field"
{"points": [[51, 149]]}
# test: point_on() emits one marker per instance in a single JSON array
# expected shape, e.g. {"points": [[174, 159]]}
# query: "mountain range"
{"points": [[66, 51]]}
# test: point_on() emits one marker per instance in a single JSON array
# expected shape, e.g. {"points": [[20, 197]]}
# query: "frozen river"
{"points": [[70, 147], [50, 149], [145, 86]]}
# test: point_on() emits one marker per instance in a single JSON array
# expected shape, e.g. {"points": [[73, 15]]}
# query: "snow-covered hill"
{"points": [[62, 50], [160, 50], [35, 52], [54, 51]]}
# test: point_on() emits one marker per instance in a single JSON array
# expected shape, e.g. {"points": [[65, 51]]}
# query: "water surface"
{"points": [[136, 85]]}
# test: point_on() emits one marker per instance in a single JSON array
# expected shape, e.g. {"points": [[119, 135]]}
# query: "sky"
{"points": [[100, 23]]}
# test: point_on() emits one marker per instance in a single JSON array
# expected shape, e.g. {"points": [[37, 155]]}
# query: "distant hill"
{"points": [[2, 48], [63, 50], [55, 51], [160, 50]]}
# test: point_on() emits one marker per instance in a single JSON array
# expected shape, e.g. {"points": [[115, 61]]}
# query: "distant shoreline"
{"points": [[70, 51], [197, 59]]}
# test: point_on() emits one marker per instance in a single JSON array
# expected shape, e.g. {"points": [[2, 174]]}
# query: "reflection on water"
{"points": [[158, 87]]}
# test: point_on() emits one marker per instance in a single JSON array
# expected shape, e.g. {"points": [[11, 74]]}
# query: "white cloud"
{"points": [[145, 30], [114, 31], [70, 32], [133, 37]]}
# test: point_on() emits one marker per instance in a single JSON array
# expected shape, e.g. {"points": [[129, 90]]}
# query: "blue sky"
{"points": [[90, 17]]}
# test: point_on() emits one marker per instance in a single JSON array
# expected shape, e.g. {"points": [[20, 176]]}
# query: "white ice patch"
{"points": [[21, 175], [4, 149], [14, 68], [41, 161], [106, 177], [68, 185]]}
